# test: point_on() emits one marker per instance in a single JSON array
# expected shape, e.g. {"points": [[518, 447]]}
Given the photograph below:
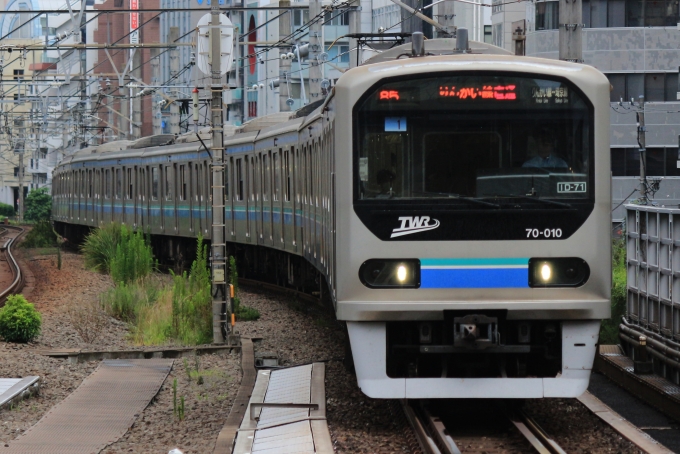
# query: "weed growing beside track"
{"points": [[159, 309], [609, 333]]}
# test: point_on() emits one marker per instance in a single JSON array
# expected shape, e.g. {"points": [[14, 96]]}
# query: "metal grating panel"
{"points": [[7, 383], [610, 350], [99, 412], [289, 438], [287, 386]]}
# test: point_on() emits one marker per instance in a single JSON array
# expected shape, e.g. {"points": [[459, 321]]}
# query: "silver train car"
{"points": [[454, 206]]}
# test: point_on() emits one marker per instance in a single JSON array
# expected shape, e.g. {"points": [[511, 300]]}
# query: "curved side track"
{"points": [[278, 289], [441, 427], [8, 237]]}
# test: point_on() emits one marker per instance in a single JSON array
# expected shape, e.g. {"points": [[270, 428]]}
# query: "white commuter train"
{"points": [[456, 206]]}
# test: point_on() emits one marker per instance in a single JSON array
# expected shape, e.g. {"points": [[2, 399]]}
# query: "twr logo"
{"points": [[414, 224]]}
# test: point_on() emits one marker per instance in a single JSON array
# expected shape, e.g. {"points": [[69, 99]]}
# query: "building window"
{"points": [[487, 34], [336, 18], [16, 171], [300, 17], [498, 35], [656, 87], [547, 14], [344, 54], [629, 13], [661, 162], [18, 74]]}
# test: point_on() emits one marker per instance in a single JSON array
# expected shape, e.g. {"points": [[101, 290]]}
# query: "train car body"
{"points": [[456, 206]]}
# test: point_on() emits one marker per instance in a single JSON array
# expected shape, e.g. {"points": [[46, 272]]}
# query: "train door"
{"points": [[304, 229], [101, 175], [141, 186], [277, 201], [232, 194], [266, 203], [168, 208], [286, 218], [180, 198], [195, 200], [207, 186], [90, 196], [248, 203], [154, 202], [292, 197], [255, 198]]}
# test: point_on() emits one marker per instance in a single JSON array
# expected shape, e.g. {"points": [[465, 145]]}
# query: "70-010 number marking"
{"points": [[545, 233]]}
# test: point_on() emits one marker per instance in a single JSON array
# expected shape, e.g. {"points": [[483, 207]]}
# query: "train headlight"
{"points": [[558, 272], [390, 273]]}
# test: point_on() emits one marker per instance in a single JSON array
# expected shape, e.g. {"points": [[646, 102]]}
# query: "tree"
{"points": [[38, 205]]}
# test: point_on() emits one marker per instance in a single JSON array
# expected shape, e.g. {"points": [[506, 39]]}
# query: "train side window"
{"points": [[168, 182], [119, 183], [227, 178], [253, 179], [265, 178], [107, 184], [289, 171], [195, 185], [182, 182], [239, 179], [129, 183], [277, 176], [154, 183]]}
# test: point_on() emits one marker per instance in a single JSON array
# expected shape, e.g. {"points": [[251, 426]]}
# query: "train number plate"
{"points": [[571, 187]]}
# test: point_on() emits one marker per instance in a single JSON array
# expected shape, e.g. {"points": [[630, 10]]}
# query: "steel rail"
{"points": [[18, 282], [538, 437], [433, 437], [278, 289]]}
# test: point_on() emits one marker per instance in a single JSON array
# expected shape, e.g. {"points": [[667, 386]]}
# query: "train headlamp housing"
{"points": [[390, 273], [558, 272]]}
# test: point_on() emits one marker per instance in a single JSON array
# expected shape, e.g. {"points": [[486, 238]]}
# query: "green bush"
{"points": [[100, 247], [124, 301], [133, 259], [38, 205], [192, 301], [609, 334], [19, 320], [6, 210], [41, 235]]}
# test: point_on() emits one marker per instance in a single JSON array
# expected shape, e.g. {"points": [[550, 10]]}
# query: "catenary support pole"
{"points": [[642, 142], [571, 26], [315, 47], [219, 260], [284, 61], [173, 36]]}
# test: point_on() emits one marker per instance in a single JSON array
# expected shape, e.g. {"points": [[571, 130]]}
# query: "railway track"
{"points": [[12, 280], [455, 427]]}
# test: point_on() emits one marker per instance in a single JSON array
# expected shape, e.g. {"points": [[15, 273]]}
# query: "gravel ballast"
{"points": [[297, 332]]}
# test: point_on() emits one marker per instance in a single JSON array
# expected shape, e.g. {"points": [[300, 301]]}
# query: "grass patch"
{"points": [[100, 246], [609, 333]]}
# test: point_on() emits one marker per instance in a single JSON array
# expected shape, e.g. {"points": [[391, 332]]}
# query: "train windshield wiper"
{"points": [[455, 196]]}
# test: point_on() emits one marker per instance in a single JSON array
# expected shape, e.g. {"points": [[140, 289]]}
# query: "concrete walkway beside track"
{"points": [[99, 412]]}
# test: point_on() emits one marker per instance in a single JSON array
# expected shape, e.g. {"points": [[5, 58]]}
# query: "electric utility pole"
{"points": [[315, 43], [642, 142], [571, 25], [284, 62], [219, 247]]}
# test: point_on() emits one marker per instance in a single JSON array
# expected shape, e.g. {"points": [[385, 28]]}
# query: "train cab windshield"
{"points": [[482, 139]]}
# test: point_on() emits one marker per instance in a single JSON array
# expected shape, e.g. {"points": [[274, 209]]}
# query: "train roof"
{"points": [[439, 46]]}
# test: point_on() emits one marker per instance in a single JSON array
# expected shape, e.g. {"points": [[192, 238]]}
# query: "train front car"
{"points": [[473, 243]]}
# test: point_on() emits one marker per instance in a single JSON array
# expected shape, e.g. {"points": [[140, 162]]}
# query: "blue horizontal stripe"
{"points": [[475, 278], [475, 262]]}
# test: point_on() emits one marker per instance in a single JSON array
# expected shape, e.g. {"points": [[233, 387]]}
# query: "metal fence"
{"points": [[653, 281]]}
